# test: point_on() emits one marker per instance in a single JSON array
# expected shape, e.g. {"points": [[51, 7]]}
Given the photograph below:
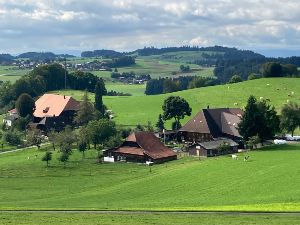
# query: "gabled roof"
{"points": [[216, 122], [198, 124], [216, 143], [149, 145], [50, 105]]}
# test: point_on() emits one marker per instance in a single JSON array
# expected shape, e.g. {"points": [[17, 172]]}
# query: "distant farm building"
{"points": [[54, 111], [207, 129], [141, 147], [10, 118]]}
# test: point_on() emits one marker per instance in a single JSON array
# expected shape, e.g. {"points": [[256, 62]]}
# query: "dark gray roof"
{"points": [[216, 143], [216, 122]]}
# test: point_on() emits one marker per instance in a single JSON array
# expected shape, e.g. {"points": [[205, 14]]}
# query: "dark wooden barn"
{"points": [[142, 147]]}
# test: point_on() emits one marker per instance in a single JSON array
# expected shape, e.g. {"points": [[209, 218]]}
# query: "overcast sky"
{"points": [[76, 25]]}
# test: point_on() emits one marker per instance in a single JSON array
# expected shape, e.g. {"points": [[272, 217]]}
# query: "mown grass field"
{"points": [[269, 181], [11, 73], [143, 219], [133, 89]]}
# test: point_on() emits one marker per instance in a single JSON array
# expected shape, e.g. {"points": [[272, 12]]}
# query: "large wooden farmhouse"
{"points": [[54, 111], [210, 124], [142, 147]]}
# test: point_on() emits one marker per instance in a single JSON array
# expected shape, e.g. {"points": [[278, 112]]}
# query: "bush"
{"points": [[13, 138], [235, 79], [254, 76]]}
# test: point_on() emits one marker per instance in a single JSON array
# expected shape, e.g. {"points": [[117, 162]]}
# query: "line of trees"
{"points": [[168, 85]]}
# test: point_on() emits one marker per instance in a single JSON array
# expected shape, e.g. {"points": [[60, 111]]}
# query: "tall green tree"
{"points": [[251, 121], [47, 157], [271, 124], [34, 138], [86, 111], [177, 108], [259, 119], [25, 105], [100, 90], [160, 123], [100, 131], [290, 117]]}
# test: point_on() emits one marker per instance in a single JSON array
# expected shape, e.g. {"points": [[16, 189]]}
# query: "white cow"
{"points": [[234, 157]]}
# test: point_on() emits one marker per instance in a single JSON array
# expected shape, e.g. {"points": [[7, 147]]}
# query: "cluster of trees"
{"points": [[168, 85], [121, 61], [184, 68], [275, 69], [102, 53], [130, 75], [45, 78], [260, 121], [117, 93]]}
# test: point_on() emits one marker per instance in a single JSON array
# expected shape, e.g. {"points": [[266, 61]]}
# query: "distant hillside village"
{"points": [[34, 115]]}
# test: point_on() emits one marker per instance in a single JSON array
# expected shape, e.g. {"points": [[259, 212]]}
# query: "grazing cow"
{"points": [[246, 158], [234, 157]]}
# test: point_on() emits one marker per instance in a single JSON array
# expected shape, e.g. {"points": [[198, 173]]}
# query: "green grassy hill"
{"points": [[269, 181], [139, 109]]}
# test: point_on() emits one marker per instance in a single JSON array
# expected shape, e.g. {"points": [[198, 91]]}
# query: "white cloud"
{"points": [[130, 24]]}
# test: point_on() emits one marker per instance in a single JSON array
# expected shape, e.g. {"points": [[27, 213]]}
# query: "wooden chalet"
{"points": [[141, 147], [210, 124], [54, 111]]}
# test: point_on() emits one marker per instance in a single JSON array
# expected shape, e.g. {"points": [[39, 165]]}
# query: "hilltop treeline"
{"points": [[168, 85], [45, 78], [6, 58], [102, 53]]}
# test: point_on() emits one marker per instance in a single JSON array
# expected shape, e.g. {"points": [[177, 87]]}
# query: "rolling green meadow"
{"points": [[139, 108], [11, 73], [269, 181]]}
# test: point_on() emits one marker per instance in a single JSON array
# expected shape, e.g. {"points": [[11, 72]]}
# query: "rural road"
{"points": [[152, 212]]}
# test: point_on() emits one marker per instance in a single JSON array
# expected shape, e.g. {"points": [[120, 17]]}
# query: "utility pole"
{"points": [[65, 73]]}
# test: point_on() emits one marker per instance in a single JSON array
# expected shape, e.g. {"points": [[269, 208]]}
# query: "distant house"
{"points": [[210, 124], [141, 147], [10, 118], [54, 111]]}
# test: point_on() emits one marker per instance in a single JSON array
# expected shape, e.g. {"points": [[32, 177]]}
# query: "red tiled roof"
{"points": [[50, 105], [130, 150], [146, 144]]}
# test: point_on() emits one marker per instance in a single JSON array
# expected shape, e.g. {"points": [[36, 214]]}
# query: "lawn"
{"points": [[268, 182], [143, 219]]}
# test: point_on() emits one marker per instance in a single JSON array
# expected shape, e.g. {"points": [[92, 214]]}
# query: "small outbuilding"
{"points": [[141, 147], [210, 148]]}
